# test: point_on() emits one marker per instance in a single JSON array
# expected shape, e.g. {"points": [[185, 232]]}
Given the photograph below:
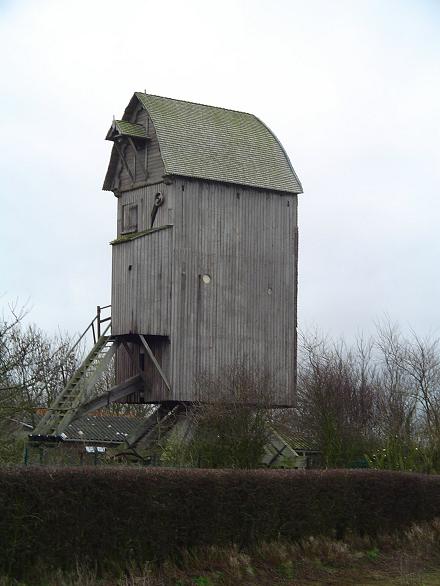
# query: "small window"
{"points": [[130, 218]]}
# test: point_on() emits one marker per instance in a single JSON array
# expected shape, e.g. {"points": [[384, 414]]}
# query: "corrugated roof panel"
{"points": [[105, 428]]}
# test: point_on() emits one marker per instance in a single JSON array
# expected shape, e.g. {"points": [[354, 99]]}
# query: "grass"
{"points": [[409, 558]]}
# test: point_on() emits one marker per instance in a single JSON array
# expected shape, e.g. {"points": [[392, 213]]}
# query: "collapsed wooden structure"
{"points": [[204, 261]]}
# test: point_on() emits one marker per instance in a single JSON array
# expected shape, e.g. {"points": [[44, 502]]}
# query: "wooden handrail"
{"points": [[91, 325]]}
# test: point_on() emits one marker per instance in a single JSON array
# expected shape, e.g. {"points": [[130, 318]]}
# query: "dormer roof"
{"points": [[124, 128]]}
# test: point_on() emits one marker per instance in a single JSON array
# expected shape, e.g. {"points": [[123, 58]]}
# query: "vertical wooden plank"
{"points": [[247, 245]]}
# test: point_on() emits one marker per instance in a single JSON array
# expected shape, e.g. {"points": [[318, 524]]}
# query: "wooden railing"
{"points": [[100, 320], [94, 326]]}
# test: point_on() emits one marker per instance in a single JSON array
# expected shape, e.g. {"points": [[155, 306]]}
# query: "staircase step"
{"points": [[76, 387]]}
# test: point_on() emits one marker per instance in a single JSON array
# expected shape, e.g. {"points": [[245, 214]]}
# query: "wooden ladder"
{"points": [[63, 410]]}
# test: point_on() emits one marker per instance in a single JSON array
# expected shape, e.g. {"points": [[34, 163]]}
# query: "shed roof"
{"points": [[217, 144], [97, 427], [103, 428]]}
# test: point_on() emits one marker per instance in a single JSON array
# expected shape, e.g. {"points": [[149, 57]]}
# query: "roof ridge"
{"points": [[196, 104]]}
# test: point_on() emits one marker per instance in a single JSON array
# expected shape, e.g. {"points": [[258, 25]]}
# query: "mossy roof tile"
{"points": [[130, 129], [218, 144]]}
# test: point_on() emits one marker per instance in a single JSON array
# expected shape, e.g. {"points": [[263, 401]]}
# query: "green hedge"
{"points": [[111, 517]]}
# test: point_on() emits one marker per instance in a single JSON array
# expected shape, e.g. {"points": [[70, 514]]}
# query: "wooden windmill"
{"points": [[204, 261]]}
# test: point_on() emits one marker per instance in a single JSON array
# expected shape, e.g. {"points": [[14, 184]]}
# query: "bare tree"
{"points": [[396, 396], [380, 398], [410, 398], [34, 367], [336, 398]]}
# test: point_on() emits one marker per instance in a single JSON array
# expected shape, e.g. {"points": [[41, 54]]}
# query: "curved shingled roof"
{"points": [[217, 144]]}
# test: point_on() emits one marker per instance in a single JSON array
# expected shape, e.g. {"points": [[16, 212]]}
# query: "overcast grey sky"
{"points": [[351, 88]]}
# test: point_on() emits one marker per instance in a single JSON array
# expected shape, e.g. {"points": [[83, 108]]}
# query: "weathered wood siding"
{"points": [[141, 296], [141, 281], [144, 198], [245, 240], [141, 292]]}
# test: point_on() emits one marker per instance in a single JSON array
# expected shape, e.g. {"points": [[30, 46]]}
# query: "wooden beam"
{"points": [[150, 424], [124, 161], [133, 360], [131, 385], [155, 362]]}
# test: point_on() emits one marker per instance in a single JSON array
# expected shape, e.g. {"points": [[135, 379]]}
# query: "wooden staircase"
{"points": [[78, 389]]}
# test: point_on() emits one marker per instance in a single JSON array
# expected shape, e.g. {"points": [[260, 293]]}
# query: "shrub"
{"points": [[233, 431], [108, 518]]}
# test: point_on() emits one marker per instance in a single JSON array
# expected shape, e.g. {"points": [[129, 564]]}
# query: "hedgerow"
{"points": [[109, 518]]}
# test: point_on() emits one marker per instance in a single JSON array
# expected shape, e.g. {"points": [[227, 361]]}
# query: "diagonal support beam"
{"points": [[123, 160], [155, 362], [150, 424], [117, 392], [157, 426]]}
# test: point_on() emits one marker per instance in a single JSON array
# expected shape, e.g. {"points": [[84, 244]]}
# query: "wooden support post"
{"points": [[133, 360], [133, 146], [131, 385]]}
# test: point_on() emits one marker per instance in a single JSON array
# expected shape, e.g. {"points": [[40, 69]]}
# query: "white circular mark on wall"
{"points": [[269, 291], [206, 279]]}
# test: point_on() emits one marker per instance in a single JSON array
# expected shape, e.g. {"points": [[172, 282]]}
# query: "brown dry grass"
{"points": [[409, 558]]}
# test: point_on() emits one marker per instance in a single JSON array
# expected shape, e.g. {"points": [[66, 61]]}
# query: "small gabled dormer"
{"points": [[130, 150], [135, 133], [136, 159]]}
